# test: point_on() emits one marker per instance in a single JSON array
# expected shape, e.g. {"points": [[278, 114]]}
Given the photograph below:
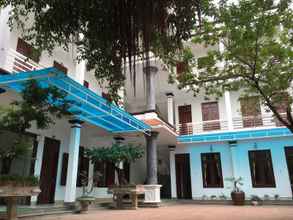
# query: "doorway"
{"points": [[185, 118], [183, 180], [49, 171], [289, 159]]}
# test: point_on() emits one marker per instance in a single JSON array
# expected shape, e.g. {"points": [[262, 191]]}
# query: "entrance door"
{"points": [[183, 181], [289, 158], [49, 171], [185, 117]]}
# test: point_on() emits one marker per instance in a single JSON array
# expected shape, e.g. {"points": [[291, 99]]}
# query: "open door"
{"points": [[289, 159], [183, 180], [49, 171]]}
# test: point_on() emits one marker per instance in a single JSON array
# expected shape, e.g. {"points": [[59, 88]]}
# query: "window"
{"points": [[27, 50], [64, 169], [282, 102], [105, 173], [83, 167], [261, 168], [210, 116], [60, 66], [180, 68], [211, 170], [185, 118], [251, 112]]}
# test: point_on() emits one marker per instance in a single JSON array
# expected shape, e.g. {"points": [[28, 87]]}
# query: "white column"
{"points": [[233, 151], [73, 151], [173, 173], [80, 70], [170, 107], [228, 107], [38, 162], [4, 36], [150, 72]]}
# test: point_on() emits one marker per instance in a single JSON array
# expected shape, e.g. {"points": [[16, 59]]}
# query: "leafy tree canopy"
{"points": [[108, 33], [257, 54], [115, 154], [37, 105]]}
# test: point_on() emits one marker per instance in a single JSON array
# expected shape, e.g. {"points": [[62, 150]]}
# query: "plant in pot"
{"points": [[237, 195], [86, 200], [117, 154], [37, 106]]}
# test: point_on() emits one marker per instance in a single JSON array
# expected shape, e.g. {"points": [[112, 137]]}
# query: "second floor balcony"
{"points": [[238, 123]]}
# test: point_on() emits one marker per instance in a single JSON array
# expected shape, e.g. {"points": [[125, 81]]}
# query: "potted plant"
{"points": [[37, 106], [237, 195], [86, 200]]}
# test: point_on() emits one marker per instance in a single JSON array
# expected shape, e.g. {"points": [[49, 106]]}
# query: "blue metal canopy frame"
{"points": [[87, 105], [235, 135]]}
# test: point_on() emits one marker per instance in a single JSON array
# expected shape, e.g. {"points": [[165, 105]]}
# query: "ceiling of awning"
{"points": [[87, 105]]}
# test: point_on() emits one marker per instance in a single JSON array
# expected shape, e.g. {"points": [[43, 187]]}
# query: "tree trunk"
{"points": [[121, 176], [6, 165]]}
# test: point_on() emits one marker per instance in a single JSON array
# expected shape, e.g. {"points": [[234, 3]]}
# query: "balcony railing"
{"points": [[266, 120], [16, 62]]}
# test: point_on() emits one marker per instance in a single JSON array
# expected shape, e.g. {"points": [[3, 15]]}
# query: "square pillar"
{"points": [[152, 161], [4, 37], [233, 152], [38, 162], [150, 72], [73, 152], [228, 107], [170, 107], [173, 172]]}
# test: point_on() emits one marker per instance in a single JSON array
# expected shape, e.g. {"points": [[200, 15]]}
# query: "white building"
{"points": [[201, 141]]}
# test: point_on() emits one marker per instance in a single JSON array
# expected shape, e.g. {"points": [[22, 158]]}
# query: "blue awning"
{"points": [[87, 105]]}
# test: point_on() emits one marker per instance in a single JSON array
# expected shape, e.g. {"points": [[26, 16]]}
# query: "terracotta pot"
{"points": [[84, 203], [238, 198]]}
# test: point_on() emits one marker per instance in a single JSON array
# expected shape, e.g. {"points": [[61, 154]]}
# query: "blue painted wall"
{"points": [[241, 166]]}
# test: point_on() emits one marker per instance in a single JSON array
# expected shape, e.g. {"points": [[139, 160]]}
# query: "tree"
{"points": [[108, 33], [257, 57], [116, 154], [37, 105]]}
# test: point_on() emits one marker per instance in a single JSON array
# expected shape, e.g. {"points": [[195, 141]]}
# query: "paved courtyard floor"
{"points": [[188, 212]]}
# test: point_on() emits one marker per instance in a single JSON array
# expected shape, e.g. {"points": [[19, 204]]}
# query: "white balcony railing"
{"points": [[261, 121], [16, 62]]}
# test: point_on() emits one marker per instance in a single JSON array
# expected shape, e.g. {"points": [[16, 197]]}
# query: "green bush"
{"points": [[15, 180]]}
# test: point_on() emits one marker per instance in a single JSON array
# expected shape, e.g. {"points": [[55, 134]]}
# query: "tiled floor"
{"points": [[187, 212]]}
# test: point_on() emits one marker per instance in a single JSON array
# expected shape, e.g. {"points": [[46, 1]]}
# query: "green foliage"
{"points": [[18, 180], [115, 154], [14, 145], [257, 54], [237, 182], [108, 33], [37, 105]]}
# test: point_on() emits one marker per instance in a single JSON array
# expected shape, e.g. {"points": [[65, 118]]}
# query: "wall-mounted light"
{"points": [[172, 147], [211, 148], [232, 143], [255, 145]]}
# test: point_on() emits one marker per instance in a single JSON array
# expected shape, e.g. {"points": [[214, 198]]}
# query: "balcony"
{"points": [[16, 62], [238, 123]]}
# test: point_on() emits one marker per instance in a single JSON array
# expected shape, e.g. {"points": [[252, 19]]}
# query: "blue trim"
{"points": [[235, 135], [88, 106]]}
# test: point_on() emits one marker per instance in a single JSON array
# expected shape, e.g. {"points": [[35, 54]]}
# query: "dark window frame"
{"points": [[252, 155], [204, 159]]}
